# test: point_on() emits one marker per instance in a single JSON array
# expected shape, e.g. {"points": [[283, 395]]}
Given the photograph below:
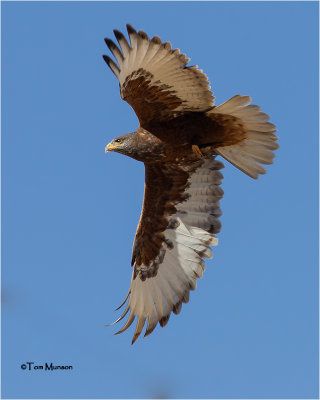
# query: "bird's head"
{"points": [[140, 146], [122, 144]]}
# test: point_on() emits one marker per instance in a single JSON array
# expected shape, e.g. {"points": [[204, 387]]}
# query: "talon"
{"points": [[196, 151]]}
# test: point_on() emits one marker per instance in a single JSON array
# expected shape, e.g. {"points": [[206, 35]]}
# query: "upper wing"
{"points": [[177, 225], [154, 79]]}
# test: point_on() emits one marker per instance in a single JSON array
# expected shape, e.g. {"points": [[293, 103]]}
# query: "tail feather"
{"points": [[257, 148]]}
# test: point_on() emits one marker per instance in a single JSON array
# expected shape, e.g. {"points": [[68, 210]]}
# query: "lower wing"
{"points": [[178, 224]]}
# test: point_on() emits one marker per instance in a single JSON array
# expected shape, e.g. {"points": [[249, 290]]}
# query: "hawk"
{"points": [[181, 133]]}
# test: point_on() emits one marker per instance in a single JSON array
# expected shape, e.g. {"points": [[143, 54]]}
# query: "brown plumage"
{"points": [[180, 134]]}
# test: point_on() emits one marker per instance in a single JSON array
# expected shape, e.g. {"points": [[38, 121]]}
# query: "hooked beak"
{"points": [[110, 147]]}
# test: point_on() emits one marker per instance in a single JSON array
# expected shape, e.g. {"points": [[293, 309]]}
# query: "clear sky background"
{"points": [[70, 212]]}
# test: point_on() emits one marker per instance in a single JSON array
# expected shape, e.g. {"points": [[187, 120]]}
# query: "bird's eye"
{"points": [[117, 141]]}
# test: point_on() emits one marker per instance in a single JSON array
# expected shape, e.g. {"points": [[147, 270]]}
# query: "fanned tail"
{"points": [[260, 142]]}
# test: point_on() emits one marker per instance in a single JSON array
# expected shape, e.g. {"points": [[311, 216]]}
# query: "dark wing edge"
{"points": [[172, 239]]}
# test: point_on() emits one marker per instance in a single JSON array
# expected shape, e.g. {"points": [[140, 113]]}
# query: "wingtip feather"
{"points": [[131, 29]]}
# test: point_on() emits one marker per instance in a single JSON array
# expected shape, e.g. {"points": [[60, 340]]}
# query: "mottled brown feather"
{"points": [[165, 185], [202, 129], [150, 102]]}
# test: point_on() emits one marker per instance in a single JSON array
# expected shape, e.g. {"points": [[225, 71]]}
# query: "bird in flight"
{"points": [[181, 133]]}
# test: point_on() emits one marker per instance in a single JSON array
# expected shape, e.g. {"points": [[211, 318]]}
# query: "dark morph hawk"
{"points": [[180, 134]]}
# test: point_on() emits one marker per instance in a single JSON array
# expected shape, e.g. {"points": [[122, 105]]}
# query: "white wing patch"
{"points": [[190, 234], [163, 66]]}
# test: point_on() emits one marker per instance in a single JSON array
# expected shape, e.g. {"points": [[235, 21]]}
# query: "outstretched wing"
{"points": [[154, 79], [177, 226]]}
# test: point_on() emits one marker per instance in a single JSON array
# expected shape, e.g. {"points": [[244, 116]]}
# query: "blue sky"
{"points": [[69, 211]]}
